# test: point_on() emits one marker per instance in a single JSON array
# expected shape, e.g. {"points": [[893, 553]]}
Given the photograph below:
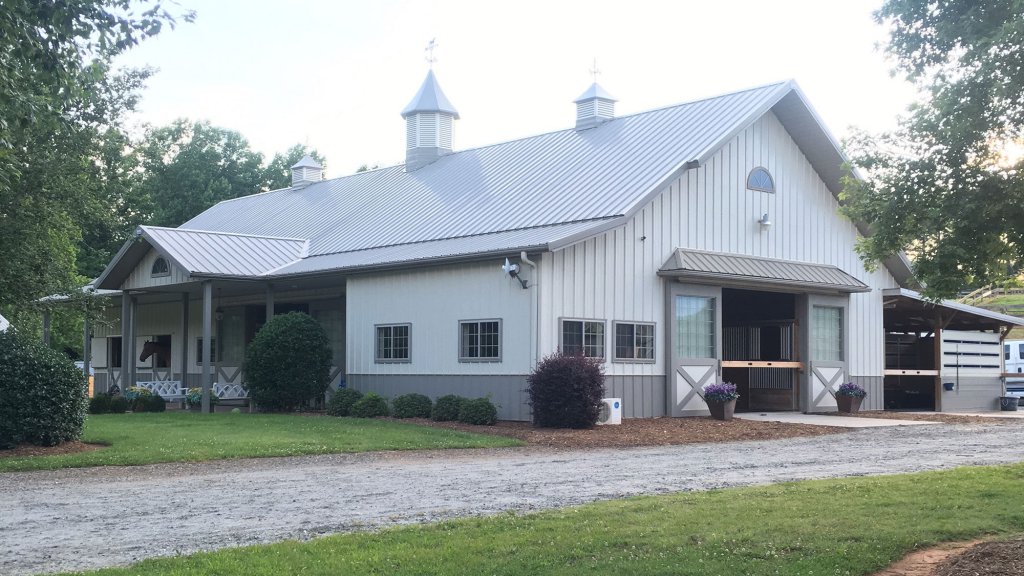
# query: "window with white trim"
{"points": [[761, 180], [480, 341], [199, 350], [583, 337], [634, 342], [160, 268], [827, 340], [393, 343]]}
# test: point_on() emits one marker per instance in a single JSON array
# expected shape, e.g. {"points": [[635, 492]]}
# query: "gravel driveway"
{"points": [[89, 518]]}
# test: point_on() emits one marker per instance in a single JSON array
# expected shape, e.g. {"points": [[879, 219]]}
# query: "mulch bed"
{"points": [[643, 432], [944, 417], [986, 559], [65, 448]]}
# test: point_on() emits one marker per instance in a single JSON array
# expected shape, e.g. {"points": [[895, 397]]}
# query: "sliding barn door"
{"points": [[695, 328]]}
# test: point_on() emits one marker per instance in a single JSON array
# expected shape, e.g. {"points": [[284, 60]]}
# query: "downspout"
{"points": [[534, 313]]}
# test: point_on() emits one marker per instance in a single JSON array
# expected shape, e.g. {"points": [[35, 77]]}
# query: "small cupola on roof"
{"points": [[428, 125], [595, 106], [306, 171]]}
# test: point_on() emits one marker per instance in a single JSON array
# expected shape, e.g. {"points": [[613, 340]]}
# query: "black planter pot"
{"points": [[722, 410], [1008, 403]]}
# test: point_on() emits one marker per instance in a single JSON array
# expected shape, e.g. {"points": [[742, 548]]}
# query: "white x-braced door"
{"points": [[694, 325]]}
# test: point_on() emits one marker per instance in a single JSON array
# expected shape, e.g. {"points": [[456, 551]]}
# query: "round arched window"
{"points": [[160, 268], [759, 179]]}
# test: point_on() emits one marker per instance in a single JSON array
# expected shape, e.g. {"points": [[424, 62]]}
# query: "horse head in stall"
{"points": [[162, 351]]}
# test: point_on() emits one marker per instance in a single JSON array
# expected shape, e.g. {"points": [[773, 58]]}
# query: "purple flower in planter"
{"points": [[851, 389], [720, 392]]}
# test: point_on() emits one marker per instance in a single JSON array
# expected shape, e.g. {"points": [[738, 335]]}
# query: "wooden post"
{"points": [[87, 353], [126, 337], [46, 327], [270, 302], [133, 325], [184, 342], [207, 336], [938, 361]]}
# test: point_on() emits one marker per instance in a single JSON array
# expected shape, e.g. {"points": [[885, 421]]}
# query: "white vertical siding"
{"points": [[614, 276], [141, 276], [433, 300]]}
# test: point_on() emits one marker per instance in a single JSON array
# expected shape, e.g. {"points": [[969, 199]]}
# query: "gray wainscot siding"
{"points": [[507, 392], [873, 386], [974, 393], [642, 396]]}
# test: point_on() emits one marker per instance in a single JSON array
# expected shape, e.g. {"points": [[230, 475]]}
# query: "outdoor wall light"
{"points": [[765, 222]]}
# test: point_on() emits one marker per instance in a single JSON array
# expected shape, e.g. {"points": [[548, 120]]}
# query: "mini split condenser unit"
{"points": [[611, 411]]}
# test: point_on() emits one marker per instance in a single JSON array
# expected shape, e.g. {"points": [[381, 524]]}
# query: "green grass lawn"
{"points": [[835, 527], [148, 438]]}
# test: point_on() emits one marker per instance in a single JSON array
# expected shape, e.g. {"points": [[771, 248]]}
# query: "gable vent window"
{"points": [[761, 180], [160, 268]]}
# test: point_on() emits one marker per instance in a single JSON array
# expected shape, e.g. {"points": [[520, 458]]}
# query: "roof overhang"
{"points": [[740, 271], [908, 311]]}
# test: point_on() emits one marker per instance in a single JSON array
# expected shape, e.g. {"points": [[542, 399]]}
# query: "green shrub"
{"points": [[42, 393], [288, 363], [566, 390], [118, 405], [342, 400], [99, 404], [154, 403], [371, 405], [412, 406], [194, 397], [479, 411], [446, 409], [138, 398]]}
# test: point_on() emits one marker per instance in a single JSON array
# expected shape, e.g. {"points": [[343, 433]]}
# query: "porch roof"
{"points": [[741, 270], [907, 310]]}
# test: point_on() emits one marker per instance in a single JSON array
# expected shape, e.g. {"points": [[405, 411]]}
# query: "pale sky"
{"points": [[336, 74]]}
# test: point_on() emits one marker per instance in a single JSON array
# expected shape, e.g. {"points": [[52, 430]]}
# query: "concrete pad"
{"points": [[826, 420]]}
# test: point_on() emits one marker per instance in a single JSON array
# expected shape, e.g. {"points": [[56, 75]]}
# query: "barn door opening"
{"points": [[695, 327], [760, 349]]}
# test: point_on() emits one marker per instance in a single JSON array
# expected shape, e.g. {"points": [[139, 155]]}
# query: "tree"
{"points": [[59, 99], [190, 166], [278, 173], [947, 186]]}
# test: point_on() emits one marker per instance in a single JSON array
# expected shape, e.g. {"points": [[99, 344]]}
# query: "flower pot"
{"points": [[948, 386], [849, 404], [1008, 403], [722, 410]]}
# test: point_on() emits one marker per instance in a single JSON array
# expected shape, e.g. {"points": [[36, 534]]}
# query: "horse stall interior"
{"points": [[759, 349], [910, 371]]}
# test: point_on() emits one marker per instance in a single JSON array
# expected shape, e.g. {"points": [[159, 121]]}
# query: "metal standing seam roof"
{"points": [[3, 323], [554, 178], [717, 266], [1004, 319], [222, 254]]}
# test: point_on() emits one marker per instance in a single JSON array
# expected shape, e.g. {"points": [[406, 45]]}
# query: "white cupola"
{"points": [[428, 125], [595, 106], [306, 171]]}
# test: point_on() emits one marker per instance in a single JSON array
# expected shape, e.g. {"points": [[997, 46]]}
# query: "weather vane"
{"points": [[594, 71], [430, 52]]}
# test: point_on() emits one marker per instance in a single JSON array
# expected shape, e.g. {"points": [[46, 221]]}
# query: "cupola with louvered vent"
{"points": [[428, 125], [307, 171], [595, 106]]}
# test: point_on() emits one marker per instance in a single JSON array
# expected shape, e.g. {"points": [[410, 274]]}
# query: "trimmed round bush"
{"points": [[342, 400], [154, 403], [288, 363], [118, 405], [371, 405], [138, 398], [446, 409], [411, 406], [42, 394], [566, 390], [99, 404], [479, 411]]}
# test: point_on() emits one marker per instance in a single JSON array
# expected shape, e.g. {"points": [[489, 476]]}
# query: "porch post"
{"points": [[270, 301], [46, 327], [87, 350], [207, 336], [184, 341], [133, 325], [126, 337]]}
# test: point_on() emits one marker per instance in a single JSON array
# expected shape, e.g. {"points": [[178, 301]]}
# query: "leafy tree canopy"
{"points": [[947, 186]]}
